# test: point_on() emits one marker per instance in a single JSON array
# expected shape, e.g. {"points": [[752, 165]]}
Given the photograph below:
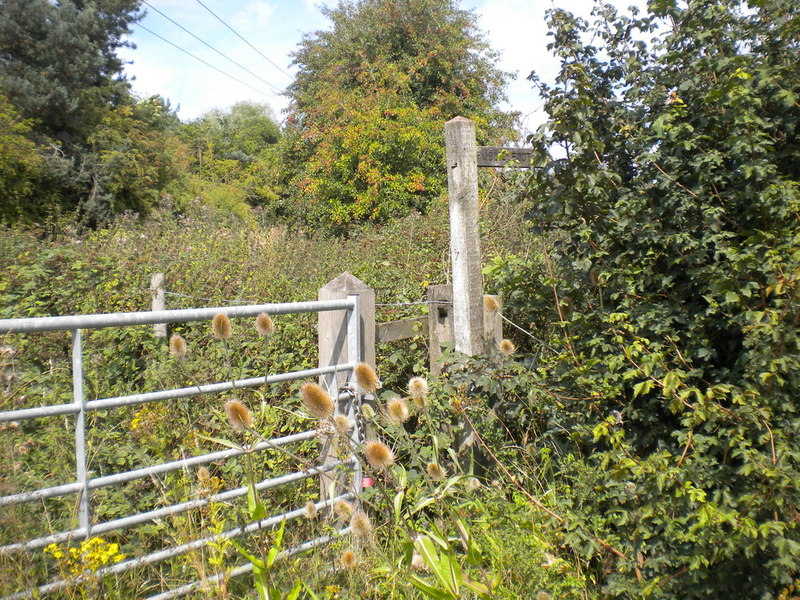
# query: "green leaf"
{"points": [[254, 506], [429, 590], [223, 442]]}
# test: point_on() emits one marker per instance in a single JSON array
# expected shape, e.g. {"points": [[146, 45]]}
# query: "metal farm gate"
{"points": [[84, 483]]}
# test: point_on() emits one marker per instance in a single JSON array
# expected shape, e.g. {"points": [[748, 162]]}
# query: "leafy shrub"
{"points": [[666, 313]]}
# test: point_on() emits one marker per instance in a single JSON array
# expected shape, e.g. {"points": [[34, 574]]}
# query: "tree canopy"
{"points": [[370, 100], [60, 72]]}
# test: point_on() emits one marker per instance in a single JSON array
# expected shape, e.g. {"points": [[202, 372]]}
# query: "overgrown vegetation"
{"points": [[634, 439]]}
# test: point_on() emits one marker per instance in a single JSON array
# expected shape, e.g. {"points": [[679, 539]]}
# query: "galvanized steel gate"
{"points": [[84, 483]]}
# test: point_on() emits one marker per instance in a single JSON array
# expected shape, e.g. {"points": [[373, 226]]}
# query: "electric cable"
{"points": [[277, 89], [244, 40], [263, 93]]}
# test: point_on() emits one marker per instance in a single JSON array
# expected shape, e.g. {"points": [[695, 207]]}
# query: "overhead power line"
{"points": [[268, 94], [277, 89], [244, 40]]}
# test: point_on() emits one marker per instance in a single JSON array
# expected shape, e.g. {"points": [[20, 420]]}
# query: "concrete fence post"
{"points": [[465, 252]]}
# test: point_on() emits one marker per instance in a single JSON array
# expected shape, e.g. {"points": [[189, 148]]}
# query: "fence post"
{"points": [[159, 302], [440, 323], [332, 327], [465, 253], [336, 348]]}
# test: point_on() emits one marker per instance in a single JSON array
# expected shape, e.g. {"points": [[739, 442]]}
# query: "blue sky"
{"points": [[516, 28]]}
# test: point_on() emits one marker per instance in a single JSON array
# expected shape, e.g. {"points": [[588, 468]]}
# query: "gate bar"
{"points": [[150, 317]]}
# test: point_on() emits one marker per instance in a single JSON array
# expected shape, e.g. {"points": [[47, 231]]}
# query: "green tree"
{"points": [[241, 132], [21, 165], [669, 299], [368, 106], [235, 156], [59, 68], [139, 154], [58, 61]]}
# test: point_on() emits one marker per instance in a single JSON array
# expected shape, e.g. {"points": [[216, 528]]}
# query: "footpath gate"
{"points": [[83, 484]]}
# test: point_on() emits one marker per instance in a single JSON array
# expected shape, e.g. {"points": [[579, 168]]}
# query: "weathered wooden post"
{"points": [[159, 302], [440, 323], [465, 252], [332, 327], [334, 349]]}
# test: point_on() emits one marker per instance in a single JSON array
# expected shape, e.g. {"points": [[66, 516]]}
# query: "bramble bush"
{"points": [[664, 301]]}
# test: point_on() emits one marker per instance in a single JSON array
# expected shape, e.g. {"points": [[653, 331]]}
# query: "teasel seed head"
{"points": [[436, 471], [342, 424], [397, 411], [310, 511], [348, 559], [366, 378], [379, 455], [203, 475], [367, 412], [417, 562], [221, 325], [343, 509], [490, 303], [420, 401], [177, 346], [417, 387], [316, 400], [507, 347], [264, 325], [238, 415], [360, 524]]}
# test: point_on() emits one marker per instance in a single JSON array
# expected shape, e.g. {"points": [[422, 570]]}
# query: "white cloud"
{"points": [[256, 14]]}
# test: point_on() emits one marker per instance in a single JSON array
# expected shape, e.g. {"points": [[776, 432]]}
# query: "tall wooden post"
{"points": [[465, 252]]}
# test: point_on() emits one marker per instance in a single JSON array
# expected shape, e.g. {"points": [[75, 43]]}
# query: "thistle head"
{"points": [[348, 559], [310, 511], [379, 455], [342, 424], [417, 386], [316, 400], [507, 347], [221, 326], [360, 524], [343, 509], [436, 471], [238, 415], [397, 411], [264, 325], [490, 303], [177, 346], [366, 378]]}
